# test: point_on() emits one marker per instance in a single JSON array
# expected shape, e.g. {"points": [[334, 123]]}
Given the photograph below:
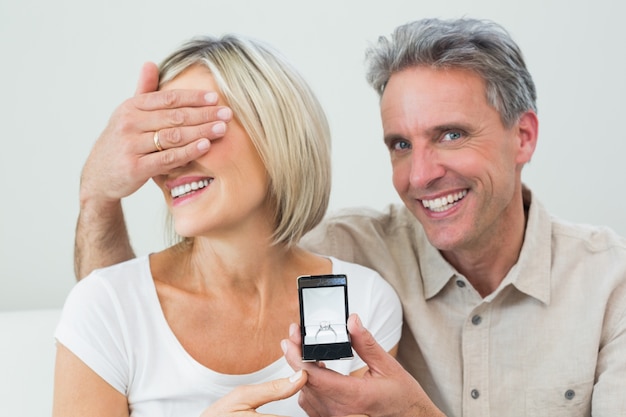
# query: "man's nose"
{"points": [[426, 167]]}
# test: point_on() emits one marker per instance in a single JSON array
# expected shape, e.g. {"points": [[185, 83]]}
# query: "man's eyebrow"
{"points": [[393, 137], [439, 129], [451, 126]]}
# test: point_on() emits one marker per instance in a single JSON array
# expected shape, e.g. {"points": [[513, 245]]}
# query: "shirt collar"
{"points": [[435, 270], [534, 259]]}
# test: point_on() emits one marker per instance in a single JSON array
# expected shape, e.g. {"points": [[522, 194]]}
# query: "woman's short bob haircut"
{"points": [[281, 115]]}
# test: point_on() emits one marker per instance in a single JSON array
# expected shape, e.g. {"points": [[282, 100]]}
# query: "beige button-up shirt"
{"points": [[550, 341]]}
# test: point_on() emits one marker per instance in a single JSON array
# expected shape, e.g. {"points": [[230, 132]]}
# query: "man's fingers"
{"points": [[178, 137], [148, 79], [157, 163], [377, 359], [305, 402], [293, 353], [163, 118], [175, 99], [179, 116], [181, 136], [363, 342], [294, 333], [187, 126]]}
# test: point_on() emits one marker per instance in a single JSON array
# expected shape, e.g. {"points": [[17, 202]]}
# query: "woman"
{"points": [[174, 332]]}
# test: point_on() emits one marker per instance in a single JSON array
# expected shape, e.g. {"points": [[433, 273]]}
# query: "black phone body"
{"points": [[323, 317]]}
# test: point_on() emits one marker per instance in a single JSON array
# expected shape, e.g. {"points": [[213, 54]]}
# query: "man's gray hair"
{"points": [[481, 46]]}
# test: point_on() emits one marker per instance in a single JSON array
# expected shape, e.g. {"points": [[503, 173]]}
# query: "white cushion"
{"points": [[27, 352]]}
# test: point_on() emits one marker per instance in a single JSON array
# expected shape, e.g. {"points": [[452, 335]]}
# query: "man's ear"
{"points": [[527, 133]]}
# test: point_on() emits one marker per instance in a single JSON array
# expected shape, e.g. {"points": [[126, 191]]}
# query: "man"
{"points": [[508, 311]]}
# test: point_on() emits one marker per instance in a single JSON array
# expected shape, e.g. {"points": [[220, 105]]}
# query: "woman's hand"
{"points": [[244, 400]]}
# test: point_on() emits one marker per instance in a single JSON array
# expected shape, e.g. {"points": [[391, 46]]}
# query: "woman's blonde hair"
{"points": [[283, 118]]}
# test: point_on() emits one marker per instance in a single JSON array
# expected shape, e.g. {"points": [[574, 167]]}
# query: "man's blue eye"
{"points": [[452, 136], [401, 145]]}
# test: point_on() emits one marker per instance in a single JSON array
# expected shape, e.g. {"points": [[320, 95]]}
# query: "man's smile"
{"points": [[443, 203]]}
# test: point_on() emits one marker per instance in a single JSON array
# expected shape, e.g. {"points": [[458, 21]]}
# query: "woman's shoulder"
{"points": [[117, 281], [360, 276], [134, 265], [353, 269]]}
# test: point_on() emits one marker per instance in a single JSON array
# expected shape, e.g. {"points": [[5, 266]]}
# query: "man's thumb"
{"points": [[148, 79], [374, 356]]}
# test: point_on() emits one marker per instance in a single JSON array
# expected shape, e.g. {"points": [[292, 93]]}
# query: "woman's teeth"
{"points": [[181, 190]]}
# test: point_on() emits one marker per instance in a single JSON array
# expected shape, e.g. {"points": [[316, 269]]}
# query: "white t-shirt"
{"points": [[113, 321]]}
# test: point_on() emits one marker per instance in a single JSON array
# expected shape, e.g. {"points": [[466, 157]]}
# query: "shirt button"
{"points": [[476, 320], [460, 284], [570, 394], [475, 394]]}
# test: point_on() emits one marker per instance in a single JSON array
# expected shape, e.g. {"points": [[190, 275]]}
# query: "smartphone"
{"points": [[323, 317]]}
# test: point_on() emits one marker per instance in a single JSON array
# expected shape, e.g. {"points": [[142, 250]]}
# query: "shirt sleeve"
{"points": [[92, 329], [608, 399]]}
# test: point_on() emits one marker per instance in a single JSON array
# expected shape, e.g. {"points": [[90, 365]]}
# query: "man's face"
{"points": [[455, 165]]}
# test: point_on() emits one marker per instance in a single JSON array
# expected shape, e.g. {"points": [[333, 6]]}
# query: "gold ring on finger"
{"points": [[157, 144]]}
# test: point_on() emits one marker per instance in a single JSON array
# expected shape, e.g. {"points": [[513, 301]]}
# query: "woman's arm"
{"points": [[80, 392]]}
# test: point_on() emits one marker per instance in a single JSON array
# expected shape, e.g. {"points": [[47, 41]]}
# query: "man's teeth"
{"points": [[443, 203], [187, 188]]}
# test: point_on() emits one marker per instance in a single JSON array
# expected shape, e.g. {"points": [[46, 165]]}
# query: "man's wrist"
{"points": [[101, 236], [99, 205]]}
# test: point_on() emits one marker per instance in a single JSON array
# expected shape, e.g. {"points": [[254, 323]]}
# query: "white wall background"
{"points": [[66, 64]]}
